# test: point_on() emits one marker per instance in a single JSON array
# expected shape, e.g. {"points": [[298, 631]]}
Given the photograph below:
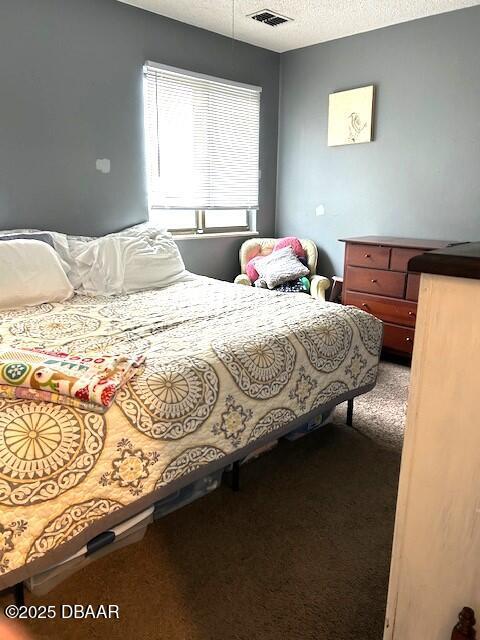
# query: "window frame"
{"points": [[201, 228]]}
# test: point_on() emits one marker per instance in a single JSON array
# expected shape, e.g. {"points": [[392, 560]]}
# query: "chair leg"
{"points": [[350, 412]]}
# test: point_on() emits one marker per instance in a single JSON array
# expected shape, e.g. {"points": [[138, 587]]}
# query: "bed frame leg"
{"points": [[236, 476], [19, 594], [350, 412]]}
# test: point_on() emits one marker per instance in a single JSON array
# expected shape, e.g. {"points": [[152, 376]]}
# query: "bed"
{"points": [[227, 370]]}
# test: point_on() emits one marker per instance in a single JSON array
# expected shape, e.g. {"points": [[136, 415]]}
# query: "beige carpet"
{"points": [[302, 552]]}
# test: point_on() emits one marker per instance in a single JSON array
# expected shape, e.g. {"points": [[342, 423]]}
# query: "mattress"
{"points": [[227, 369]]}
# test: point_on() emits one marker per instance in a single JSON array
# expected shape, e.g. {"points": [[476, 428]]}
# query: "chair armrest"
{"points": [[243, 279], [318, 286]]}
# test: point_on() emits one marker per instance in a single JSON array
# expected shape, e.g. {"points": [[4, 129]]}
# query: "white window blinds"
{"points": [[202, 138]]}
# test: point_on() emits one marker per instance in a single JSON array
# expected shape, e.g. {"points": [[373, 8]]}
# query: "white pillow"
{"points": [[123, 264], [78, 244], [279, 267], [60, 243], [31, 273]]}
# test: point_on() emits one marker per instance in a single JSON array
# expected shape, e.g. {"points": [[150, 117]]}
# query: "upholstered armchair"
{"points": [[263, 246]]}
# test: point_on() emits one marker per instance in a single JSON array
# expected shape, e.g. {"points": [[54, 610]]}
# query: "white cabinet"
{"points": [[436, 551]]}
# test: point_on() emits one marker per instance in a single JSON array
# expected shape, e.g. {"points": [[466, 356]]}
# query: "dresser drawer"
{"points": [[387, 309], [398, 338], [413, 286], [400, 258], [364, 255], [385, 283]]}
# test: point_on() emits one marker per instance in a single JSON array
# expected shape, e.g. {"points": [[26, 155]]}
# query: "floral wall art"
{"points": [[350, 116]]}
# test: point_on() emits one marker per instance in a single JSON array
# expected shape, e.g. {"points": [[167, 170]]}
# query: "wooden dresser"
{"points": [[376, 279]]}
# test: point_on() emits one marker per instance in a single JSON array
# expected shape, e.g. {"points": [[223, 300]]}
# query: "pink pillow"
{"points": [[250, 270], [293, 242]]}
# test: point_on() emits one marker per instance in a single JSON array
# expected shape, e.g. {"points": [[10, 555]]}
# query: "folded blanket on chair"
{"points": [[86, 382]]}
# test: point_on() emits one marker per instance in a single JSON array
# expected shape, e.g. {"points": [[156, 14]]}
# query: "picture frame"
{"points": [[350, 116]]}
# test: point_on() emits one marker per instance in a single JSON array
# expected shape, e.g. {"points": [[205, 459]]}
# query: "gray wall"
{"points": [[421, 175], [71, 92]]}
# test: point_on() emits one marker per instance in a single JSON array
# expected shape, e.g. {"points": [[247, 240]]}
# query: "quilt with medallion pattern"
{"points": [[226, 366]]}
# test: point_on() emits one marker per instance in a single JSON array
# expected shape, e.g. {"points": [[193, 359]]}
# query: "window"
{"points": [[202, 140]]}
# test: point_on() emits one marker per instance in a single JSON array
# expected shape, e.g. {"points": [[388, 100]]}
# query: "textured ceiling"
{"points": [[314, 21]]}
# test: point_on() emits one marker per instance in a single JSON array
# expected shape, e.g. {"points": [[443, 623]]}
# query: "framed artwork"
{"points": [[350, 116]]}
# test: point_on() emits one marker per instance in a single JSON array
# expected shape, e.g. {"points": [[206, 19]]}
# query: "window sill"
{"points": [[223, 234]]}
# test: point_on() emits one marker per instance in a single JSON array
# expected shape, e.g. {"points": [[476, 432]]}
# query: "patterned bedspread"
{"points": [[227, 366]]}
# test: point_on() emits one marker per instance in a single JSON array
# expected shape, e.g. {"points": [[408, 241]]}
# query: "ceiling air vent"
{"points": [[269, 17]]}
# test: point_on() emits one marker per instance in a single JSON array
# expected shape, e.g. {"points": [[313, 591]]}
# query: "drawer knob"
{"points": [[411, 313], [408, 339], [373, 280], [367, 255]]}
